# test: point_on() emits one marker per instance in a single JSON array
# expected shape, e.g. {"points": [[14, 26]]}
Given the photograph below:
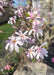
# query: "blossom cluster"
{"points": [[21, 37], [37, 52], [19, 12]]}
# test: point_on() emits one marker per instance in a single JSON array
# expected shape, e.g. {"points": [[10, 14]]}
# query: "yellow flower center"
{"points": [[30, 51], [14, 41], [22, 36], [34, 15]]}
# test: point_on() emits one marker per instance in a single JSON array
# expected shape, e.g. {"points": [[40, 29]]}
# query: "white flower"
{"points": [[22, 36], [36, 31], [19, 12], [31, 52], [13, 44], [12, 20], [33, 14], [41, 52]]}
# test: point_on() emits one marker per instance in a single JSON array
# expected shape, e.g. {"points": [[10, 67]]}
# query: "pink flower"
{"points": [[19, 12], [52, 60], [13, 44], [41, 52], [7, 67], [33, 15], [31, 52], [22, 36], [36, 31], [12, 20]]}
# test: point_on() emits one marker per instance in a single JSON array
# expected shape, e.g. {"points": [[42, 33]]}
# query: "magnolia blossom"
{"points": [[32, 15], [22, 36], [36, 31], [31, 52], [13, 44], [41, 51], [12, 20], [19, 12]]}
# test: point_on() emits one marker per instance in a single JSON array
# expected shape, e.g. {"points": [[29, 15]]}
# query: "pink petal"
{"points": [[52, 59]]}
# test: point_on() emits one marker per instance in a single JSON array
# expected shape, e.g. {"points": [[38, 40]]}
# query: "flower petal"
{"points": [[43, 44], [7, 46], [25, 32], [30, 32], [16, 48], [11, 47]]}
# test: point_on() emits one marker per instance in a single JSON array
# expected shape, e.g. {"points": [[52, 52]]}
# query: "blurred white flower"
{"points": [[19, 12], [13, 44], [41, 51], [31, 52], [12, 20], [22, 36], [36, 31], [33, 14]]}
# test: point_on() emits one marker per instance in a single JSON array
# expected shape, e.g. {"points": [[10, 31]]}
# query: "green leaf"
{"points": [[27, 15], [33, 60]]}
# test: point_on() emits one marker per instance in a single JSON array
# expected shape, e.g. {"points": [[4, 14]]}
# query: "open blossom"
{"points": [[41, 51], [32, 15], [12, 20], [22, 36], [31, 52], [36, 31], [7, 67], [13, 44], [19, 12]]}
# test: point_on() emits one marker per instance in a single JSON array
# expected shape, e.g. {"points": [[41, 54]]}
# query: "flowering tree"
{"points": [[29, 30], [28, 33]]}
